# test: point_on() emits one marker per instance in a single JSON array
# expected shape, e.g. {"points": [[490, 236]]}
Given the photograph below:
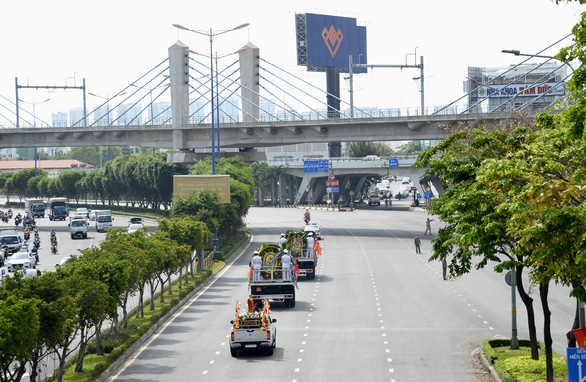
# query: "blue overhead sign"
{"points": [[322, 165], [329, 41], [332, 189], [393, 162]]}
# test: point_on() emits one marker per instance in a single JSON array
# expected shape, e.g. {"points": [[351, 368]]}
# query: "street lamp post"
{"points": [[518, 53], [211, 35]]}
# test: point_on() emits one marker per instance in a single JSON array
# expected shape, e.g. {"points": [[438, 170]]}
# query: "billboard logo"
{"points": [[333, 38]]}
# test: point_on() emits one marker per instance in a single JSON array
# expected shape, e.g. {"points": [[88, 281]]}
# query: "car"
{"points": [[30, 273], [371, 157], [21, 260], [134, 227], [92, 215], [313, 227], [135, 220], [83, 211]]}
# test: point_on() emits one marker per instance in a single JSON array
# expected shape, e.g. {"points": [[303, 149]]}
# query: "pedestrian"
{"points": [[282, 240], [417, 244], [428, 226]]}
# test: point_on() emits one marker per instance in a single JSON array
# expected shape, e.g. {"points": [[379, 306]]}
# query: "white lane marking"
{"points": [[177, 314]]}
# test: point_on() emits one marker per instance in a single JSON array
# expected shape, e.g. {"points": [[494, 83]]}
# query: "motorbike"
{"points": [[27, 235], [306, 219], [17, 221], [5, 218], [54, 247], [35, 251], [9, 214], [37, 243]]}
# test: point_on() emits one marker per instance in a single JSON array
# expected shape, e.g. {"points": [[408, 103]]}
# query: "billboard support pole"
{"points": [[351, 86]]}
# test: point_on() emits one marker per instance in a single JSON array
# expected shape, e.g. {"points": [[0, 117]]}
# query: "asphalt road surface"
{"points": [[376, 311]]}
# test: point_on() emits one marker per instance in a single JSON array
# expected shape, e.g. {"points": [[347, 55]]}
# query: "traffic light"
{"points": [[414, 189]]}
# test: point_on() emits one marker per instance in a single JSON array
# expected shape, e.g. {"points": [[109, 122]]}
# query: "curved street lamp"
{"points": [[211, 34]]}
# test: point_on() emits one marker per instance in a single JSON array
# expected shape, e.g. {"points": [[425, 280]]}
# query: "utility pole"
{"points": [[351, 66]]}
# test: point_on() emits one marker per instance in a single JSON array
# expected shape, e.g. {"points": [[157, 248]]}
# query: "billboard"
{"points": [[522, 90], [185, 185], [328, 41]]}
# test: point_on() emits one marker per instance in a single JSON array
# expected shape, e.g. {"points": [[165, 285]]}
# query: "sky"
{"points": [[112, 43]]}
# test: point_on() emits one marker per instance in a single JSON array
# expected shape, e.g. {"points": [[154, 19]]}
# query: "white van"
{"points": [[103, 220]]}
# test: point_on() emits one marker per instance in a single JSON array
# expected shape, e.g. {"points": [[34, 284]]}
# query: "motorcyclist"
{"points": [[53, 236], [306, 216], [35, 251], [27, 234], [54, 246], [37, 242], [9, 213]]}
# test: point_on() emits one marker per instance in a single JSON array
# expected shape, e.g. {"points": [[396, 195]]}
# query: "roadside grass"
{"points": [[116, 344], [517, 365]]}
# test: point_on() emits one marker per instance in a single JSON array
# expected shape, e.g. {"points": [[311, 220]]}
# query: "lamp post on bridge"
{"points": [[518, 53], [211, 35], [217, 95]]}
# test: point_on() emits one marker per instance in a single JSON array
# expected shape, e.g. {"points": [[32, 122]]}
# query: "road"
{"points": [[66, 247], [376, 311]]}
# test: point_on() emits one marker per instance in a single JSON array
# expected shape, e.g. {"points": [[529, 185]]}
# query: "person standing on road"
{"points": [[417, 244], [428, 226]]}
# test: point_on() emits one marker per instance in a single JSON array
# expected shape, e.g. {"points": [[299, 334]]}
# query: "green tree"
{"points": [[17, 341], [362, 149], [68, 182]]}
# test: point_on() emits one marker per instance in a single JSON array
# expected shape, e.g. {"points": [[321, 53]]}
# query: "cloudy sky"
{"points": [[112, 43]]}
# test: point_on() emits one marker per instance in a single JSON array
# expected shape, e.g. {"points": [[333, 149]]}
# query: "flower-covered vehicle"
{"points": [[253, 330]]}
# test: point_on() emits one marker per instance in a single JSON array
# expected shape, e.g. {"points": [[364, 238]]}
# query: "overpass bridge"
{"points": [[187, 132], [298, 185], [248, 134]]}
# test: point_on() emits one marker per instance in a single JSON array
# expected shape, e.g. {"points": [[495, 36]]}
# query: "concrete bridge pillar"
{"points": [[249, 62], [283, 189], [178, 82]]}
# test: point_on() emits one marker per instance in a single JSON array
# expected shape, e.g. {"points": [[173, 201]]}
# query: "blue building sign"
{"points": [[393, 162]]}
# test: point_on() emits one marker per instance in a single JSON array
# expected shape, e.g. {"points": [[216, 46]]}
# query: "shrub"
{"points": [[525, 369]]}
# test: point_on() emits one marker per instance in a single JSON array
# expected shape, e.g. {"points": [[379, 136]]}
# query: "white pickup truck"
{"points": [[253, 331]]}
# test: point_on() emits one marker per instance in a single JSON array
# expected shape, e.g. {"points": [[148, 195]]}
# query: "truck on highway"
{"points": [[253, 330], [35, 207], [103, 220], [78, 226], [305, 259], [270, 284], [58, 208]]}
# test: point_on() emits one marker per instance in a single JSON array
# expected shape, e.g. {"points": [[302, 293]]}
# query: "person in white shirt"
{"points": [[310, 244], [286, 264], [256, 266], [282, 240]]}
